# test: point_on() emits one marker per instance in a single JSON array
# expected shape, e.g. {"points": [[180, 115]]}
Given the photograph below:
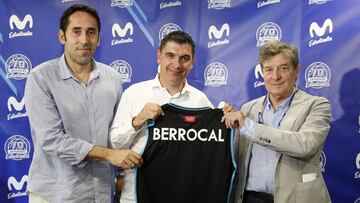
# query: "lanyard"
{"points": [[261, 112]]}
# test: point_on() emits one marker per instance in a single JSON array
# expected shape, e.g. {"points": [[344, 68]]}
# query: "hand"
{"points": [[227, 108], [120, 182], [149, 111], [126, 159], [233, 119]]}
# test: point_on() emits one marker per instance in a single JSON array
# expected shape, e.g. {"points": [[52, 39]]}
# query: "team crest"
{"points": [[122, 3], [268, 31], [317, 75], [167, 28], [17, 66], [215, 74], [17, 147], [218, 4], [123, 68]]}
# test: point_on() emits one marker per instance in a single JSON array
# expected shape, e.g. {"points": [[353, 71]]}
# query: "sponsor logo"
{"points": [[17, 66], [190, 119], [13, 103], [357, 162], [17, 147], [167, 28], [318, 1], [181, 134], [123, 68], [322, 161], [259, 76], [215, 74], [317, 75], [20, 25], [268, 2], [319, 33], [122, 3], [216, 35], [218, 4], [267, 32], [16, 188], [357, 200], [122, 33], [170, 4]]}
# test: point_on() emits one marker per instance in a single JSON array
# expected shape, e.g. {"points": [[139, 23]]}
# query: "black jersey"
{"points": [[188, 158]]}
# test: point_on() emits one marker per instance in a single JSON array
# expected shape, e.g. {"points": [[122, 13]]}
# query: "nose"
{"points": [[276, 74], [176, 62], [83, 38]]}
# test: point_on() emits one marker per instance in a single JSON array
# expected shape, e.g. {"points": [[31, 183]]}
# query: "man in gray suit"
{"points": [[281, 135]]}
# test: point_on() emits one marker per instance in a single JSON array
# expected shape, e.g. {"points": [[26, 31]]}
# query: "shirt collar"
{"points": [[156, 84], [284, 104], [66, 73]]}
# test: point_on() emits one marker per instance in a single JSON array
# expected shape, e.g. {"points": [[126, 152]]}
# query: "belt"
{"points": [[257, 197]]}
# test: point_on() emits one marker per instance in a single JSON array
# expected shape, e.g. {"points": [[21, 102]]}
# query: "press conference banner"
{"points": [[228, 36]]}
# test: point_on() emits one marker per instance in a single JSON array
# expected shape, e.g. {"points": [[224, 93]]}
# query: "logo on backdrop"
{"points": [[318, 1], [357, 200], [359, 122], [317, 75], [320, 34], [122, 3], [123, 68], [357, 162], [17, 147], [16, 188], [167, 28], [267, 2], [22, 26], [17, 66], [322, 163], [18, 107], [170, 4], [122, 35], [215, 74], [218, 4], [267, 32], [217, 37], [259, 76]]}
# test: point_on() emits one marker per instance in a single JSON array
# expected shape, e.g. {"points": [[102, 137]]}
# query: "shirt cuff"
{"points": [[248, 129]]}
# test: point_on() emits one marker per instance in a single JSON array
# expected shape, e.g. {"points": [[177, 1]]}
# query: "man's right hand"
{"points": [[149, 112], [125, 159]]}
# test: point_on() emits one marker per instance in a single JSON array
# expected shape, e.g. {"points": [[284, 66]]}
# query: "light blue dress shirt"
{"points": [[67, 118], [261, 174]]}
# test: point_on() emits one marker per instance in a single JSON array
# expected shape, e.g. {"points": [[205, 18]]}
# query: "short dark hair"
{"points": [[64, 20], [179, 37], [274, 48]]}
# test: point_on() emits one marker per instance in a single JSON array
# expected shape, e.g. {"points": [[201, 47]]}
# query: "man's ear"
{"points": [[158, 56], [61, 36]]}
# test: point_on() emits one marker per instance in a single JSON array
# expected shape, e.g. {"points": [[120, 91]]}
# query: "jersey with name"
{"points": [[188, 157]]}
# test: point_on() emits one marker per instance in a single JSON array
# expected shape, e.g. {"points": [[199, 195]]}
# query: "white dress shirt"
{"points": [[122, 133]]}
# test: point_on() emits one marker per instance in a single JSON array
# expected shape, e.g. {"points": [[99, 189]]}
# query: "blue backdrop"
{"points": [[228, 35]]}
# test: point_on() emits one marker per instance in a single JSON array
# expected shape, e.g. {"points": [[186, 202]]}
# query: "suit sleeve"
{"points": [[307, 135]]}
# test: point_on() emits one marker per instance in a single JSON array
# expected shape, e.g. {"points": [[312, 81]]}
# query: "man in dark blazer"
{"points": [[281, 135]]}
